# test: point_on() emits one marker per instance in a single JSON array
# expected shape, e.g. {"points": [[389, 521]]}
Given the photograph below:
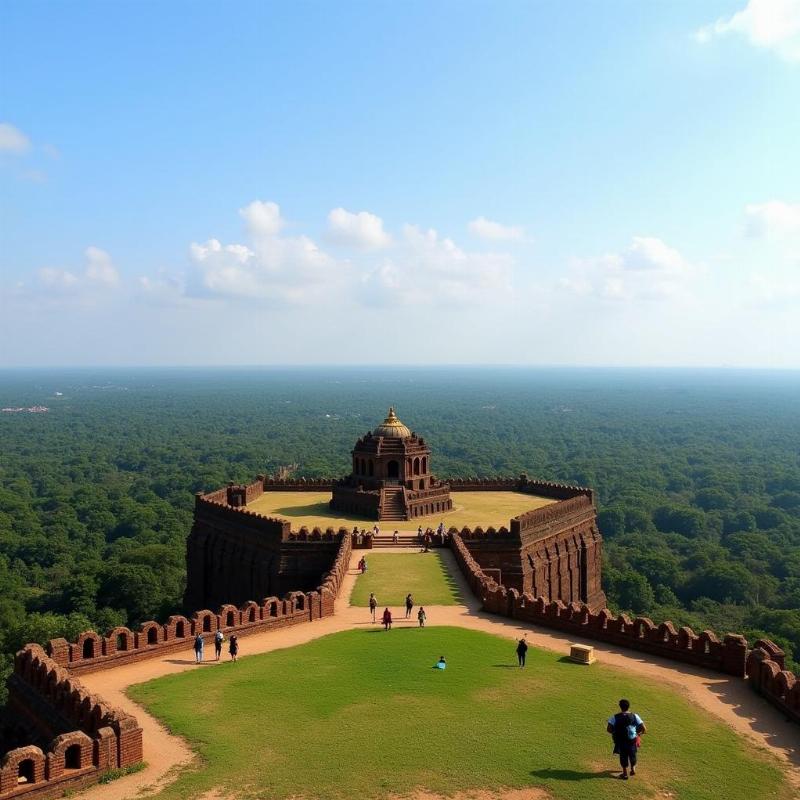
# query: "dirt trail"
{"points": [[728, 699]]}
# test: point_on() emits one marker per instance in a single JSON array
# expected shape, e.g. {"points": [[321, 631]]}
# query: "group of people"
{"points": [[386, 618], [219, 638], [425, 538]]}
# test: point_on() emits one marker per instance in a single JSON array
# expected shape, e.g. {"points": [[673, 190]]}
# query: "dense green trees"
{"points": [[697, 477]]}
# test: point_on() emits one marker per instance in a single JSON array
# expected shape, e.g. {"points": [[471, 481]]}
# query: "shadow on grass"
{"points": [[571, 775], [320, 510], [506, 666]]}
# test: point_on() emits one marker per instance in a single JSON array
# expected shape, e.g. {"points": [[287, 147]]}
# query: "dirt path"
{"points": [[728, 699]]}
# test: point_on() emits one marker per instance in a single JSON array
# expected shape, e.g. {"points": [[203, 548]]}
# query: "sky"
{"points": [[433, 182]]}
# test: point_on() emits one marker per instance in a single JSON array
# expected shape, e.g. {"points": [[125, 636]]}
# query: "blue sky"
{"points": [[425, 182]]}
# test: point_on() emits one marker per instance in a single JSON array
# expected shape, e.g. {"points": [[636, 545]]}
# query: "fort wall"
{"points": [[763, 666], [75, 736]]}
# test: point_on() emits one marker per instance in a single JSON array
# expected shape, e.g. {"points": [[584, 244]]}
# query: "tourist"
{"points": [[198, 648], [375, 530], [387, 619], [219, 638], [522, 649], [395, 537], [409, 605], [419, 534], [626, 729], [373, 605], [233, 647], [421, 616], [441, 663], [363, 564]]}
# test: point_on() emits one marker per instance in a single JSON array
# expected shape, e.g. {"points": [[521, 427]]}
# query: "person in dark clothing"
{"points": [[233, 647], [625, 729], [522, 649], [409, 605], [387, 619]]}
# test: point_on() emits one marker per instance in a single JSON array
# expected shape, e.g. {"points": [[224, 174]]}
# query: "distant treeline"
{"points": [[697, 477]]}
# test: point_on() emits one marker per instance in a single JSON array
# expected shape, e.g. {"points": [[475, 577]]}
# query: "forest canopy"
{"points": [[696, 473]]}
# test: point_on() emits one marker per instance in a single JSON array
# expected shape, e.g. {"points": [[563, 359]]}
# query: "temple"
{"points": [[391, 478]]}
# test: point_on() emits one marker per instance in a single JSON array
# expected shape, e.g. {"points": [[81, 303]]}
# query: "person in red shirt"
{"points": [[387, 619]]}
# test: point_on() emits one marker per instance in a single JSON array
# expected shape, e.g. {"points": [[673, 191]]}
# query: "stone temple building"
{"points": [[391, 478]]}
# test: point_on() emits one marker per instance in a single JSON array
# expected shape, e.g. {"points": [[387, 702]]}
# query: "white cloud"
{"points": [[360, 229], [272, 267], [98, 274], [13, 140], [648, 269], [429, 269], [262, 218], [99, 267], [771, 24], [495, 231], [773, 218]]}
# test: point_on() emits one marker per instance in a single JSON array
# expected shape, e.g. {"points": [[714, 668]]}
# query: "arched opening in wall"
{"points": [[665, 635], [207, 623], [300, 602], [88, 648], [409, 466], [229, 619], [393, 469], [26, 771], [152, 636], [416, 466], [251, 614], [371, 468], [706, 646], [425, 465], [72, 757], [180, 631], [583, 578], [273, 609], [122, 641], [422, 485]]}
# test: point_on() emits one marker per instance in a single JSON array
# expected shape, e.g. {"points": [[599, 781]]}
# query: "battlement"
{"points": [[763, 666], [83, 736]]}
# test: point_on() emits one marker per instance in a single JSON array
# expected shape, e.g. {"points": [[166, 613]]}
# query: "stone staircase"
{"points": [[394, 508], [403, 540]]}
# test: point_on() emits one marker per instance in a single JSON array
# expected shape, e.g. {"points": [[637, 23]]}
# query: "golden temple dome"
{"points": [[392, 428]]}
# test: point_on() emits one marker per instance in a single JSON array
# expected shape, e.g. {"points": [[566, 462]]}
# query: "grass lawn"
{"points": [[393, 575], [363, 714], [471, 509]]}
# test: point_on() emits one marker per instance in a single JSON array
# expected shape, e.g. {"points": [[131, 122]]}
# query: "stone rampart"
{"points": [[91, 652], [82, 736], [78, 736], [763, 666]]}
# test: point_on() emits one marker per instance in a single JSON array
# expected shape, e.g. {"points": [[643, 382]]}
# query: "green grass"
{"points": [[470, 509], [363, 714], [393, 575]]}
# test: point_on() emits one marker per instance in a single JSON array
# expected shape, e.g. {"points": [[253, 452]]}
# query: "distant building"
{"points": [[391, 478]]}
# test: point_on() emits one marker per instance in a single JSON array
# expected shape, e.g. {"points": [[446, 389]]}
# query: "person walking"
{"points": [[198, 648], [219, 638], [409, 605], [421, 616], [233, 647], [387, 619], [626, 728], [395, 537], [373, 605], [522, 649]]}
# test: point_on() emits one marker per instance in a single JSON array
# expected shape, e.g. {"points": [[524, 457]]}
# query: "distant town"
{"points": [[31, 410]]}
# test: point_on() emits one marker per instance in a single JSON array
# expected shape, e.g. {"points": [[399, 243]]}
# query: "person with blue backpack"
{"points": [[626, 729]]}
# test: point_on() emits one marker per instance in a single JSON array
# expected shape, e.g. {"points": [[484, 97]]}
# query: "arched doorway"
{"points": [[393, 469]]}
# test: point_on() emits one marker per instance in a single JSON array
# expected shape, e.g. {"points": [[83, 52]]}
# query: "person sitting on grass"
{"points": [[626, 729], [387, 619], [441, 663]]}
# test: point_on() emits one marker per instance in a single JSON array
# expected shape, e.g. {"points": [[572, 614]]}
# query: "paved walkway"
{"points": [[727, 698]]}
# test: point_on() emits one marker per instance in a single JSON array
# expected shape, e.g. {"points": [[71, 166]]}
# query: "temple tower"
{"points": [[391, 478]]}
